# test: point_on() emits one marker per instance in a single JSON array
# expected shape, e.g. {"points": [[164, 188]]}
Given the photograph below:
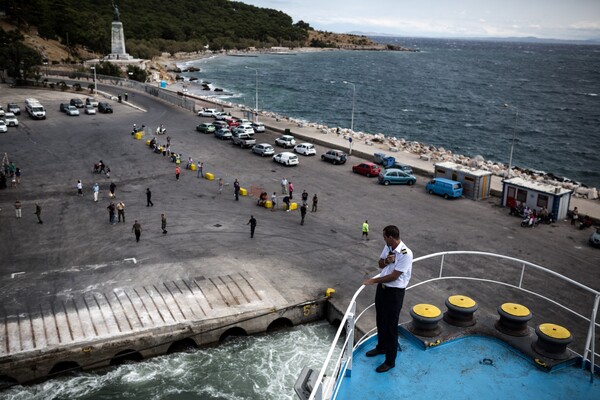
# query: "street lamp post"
{"points": [[256, 94], [353, 103], [512, 146], [95, 84]]}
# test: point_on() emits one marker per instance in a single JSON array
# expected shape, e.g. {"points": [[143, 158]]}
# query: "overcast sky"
{"points": [[557, 19]]}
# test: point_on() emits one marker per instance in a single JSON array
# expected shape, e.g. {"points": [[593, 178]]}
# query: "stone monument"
{"points": [[117, 46]]}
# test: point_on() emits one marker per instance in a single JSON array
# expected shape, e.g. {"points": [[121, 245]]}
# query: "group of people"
{"points": [[531, 216], [10, 172]]}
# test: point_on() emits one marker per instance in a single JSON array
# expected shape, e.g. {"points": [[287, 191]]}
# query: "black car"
{"points": [[64, 106], [77, 103], [13, 108], [104, 107]]}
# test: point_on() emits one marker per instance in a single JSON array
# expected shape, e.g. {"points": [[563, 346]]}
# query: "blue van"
{"points": [[444, 187]]}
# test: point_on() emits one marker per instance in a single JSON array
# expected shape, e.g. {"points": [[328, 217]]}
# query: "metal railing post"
{"points": [[590, 341], [442, 266], [522, 275], [350, 324]]}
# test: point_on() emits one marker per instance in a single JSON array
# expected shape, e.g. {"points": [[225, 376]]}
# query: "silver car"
{"points": [[72, 111], [263, 149]]}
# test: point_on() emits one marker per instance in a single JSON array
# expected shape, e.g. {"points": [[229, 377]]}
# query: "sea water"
{"points": [[451, 94], [263, 367]]}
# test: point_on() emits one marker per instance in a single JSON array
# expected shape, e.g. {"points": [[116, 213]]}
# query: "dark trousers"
{"points": [[252, 228], [149, 202], [137, 235], [237, 195], [388, 304], [121, 214]]}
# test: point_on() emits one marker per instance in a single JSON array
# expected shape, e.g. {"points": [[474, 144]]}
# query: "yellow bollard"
{"points": [[293, 206], [148, 142], [243, 192], [138, 135], [268, 204], [193, 167], [209, 176]]}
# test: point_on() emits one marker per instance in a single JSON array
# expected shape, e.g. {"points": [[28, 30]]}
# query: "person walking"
{"points": [[252, 224], [304, 197], [163, 223], [112, 188], [286, 201], [395, 263], [111, 213], [199, 168], [315, 200], [177, 172], [284, 185], [236, 190], [107, 172], [149, 202], [96, 190], [365, 231], [79, 188], [38, 213], [121, 210], [303, 213], [18, 208], [274, 201], [291, 190], [220, 185], [137, 229], [18, 175]]}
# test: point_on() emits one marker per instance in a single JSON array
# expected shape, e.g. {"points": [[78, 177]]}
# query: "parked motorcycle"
{"points": [[530, 222]]}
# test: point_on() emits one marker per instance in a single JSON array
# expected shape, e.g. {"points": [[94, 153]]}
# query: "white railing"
{"points": [[342, 365]]}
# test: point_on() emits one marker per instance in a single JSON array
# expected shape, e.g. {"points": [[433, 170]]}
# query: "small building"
{"points": [[536, 195], [476, 183]]}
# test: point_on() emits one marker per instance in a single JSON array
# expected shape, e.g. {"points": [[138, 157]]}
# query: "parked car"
{"points": [[63, 107], [3, 127], [444, 187], [11, 119], [232, 122], [223, 134], [72, 111], [1, 112], [91, 101], [595, 238], [263, 149], [90, 110], [258, 127], [206, 127], [334, 157], [286, 158], [394, 176], [244, 129], [285, 141], [77, 103], [220, 124], [307, 149], [13, 108], [208, 112], [367, 169], [104, 107]]}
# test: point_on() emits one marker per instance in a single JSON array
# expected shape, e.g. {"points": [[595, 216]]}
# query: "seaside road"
{"points": [[76, 249]]}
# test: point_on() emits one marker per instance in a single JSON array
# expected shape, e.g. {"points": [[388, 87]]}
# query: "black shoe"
{"points": [[384, 368], [374, 352]]}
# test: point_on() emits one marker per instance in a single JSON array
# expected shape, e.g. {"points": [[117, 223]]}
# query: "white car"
{"points": [[72, 111], [285, 141], [244, 129], [263, 149], [3, 127], [208, 112], [10, 119], [90, 110], [307, 149], [258, 127], [286, 158], [1, 112]]}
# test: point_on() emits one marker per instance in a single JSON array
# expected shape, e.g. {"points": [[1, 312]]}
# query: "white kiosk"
{"points": [[536, 195]]}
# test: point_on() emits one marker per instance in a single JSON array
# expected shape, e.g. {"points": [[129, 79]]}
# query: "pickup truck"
{"points": [[243, 140]]}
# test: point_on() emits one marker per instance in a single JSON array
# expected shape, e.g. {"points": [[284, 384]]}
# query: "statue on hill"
{"points": [[116, 15]]}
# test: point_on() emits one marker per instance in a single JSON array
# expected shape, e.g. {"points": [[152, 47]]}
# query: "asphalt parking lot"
{"points": [[76, 249]]}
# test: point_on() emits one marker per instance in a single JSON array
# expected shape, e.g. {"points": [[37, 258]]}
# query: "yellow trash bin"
{"points": [[209, 176], [138, 135], [268, 204], [148, 142], [193, 167], [243, 192], [293, 206]]}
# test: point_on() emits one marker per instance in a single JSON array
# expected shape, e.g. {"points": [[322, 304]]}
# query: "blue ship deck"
{"points": [[472, 367]]}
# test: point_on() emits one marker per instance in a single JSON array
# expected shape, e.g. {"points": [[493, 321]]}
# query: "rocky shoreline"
{"points": [[425, 152]]}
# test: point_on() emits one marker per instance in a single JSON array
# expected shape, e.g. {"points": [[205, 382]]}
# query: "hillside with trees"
{"points": [[156, 26]]}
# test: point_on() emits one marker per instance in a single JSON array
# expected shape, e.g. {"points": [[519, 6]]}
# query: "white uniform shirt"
{"points": [[403, 264]]}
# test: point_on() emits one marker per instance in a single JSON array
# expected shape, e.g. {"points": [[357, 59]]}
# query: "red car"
{"points": [[368, 169]]}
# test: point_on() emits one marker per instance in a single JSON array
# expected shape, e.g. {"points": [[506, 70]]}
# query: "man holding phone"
{"points": [[395, 263]]}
